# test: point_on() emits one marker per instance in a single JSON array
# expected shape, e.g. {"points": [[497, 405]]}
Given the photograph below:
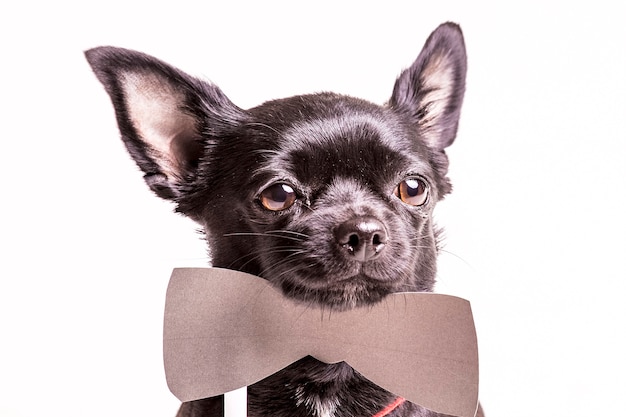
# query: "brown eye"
{"points": [[412, 191], [278, 197]]}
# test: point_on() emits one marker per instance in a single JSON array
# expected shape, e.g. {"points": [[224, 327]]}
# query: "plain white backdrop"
{"points": [[535, 227]]}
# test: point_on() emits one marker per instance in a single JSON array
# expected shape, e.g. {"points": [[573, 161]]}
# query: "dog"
{"points": [[327, 196]]}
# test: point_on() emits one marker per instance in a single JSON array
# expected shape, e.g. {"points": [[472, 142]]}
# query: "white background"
{"points": [[535, 226]]}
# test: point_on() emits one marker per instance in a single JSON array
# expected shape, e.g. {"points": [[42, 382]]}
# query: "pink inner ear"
{"points": [[155, 109], [437, 79]]}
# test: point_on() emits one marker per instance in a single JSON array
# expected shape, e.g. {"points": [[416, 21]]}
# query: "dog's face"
{"points": [[328, 196]]}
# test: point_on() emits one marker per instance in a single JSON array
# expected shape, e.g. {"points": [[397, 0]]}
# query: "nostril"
{"points": [[353, 241]]}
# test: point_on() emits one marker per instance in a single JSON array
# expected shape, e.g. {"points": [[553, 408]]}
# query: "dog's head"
{"points": [[328, 196]]}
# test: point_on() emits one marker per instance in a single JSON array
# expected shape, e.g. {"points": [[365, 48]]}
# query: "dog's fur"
{"points": [[329, 197]]}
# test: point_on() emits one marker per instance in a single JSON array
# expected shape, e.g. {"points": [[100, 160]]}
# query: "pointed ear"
{"points": [[431, 91], [166, 117]]}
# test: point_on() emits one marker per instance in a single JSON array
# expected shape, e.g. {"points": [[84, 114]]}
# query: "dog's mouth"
{"points": [[341, 293], [339, 285]]}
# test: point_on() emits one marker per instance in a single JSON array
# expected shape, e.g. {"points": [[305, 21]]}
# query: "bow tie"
{"points": [[225, 329]]}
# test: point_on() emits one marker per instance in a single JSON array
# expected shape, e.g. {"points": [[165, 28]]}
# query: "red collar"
{"points": [[387, 410]]}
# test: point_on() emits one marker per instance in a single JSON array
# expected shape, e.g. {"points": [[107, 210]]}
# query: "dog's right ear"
{"points": [[166, 117]]}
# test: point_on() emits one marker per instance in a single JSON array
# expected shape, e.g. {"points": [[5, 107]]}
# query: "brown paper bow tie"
{"points": [[225, 330]]}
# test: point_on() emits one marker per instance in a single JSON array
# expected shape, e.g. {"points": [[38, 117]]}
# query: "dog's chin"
{"points": [[343, 293]]}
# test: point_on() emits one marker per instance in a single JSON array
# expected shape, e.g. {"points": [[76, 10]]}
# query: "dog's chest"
{"points": [[317, 405], [299, 400]]}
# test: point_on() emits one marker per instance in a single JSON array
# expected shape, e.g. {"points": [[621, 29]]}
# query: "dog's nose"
{"points": [[362, 237]]}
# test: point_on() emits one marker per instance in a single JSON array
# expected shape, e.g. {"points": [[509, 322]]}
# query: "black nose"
{"points": [[362, 237]]}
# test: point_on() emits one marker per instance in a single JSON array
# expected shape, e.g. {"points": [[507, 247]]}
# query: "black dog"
{"points": [[329, 197]]}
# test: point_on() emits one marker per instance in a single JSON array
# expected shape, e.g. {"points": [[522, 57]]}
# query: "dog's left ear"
{"points": [[431, 91]]}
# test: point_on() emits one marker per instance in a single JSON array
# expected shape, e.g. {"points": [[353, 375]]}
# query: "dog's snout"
{"points": [[363, 238]]}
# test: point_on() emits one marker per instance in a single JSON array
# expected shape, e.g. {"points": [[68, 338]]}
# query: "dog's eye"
{"points": [[412, 191], [277, 197]]}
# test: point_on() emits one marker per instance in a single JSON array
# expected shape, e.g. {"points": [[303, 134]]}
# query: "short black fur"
{"points": [[329, 197]]}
